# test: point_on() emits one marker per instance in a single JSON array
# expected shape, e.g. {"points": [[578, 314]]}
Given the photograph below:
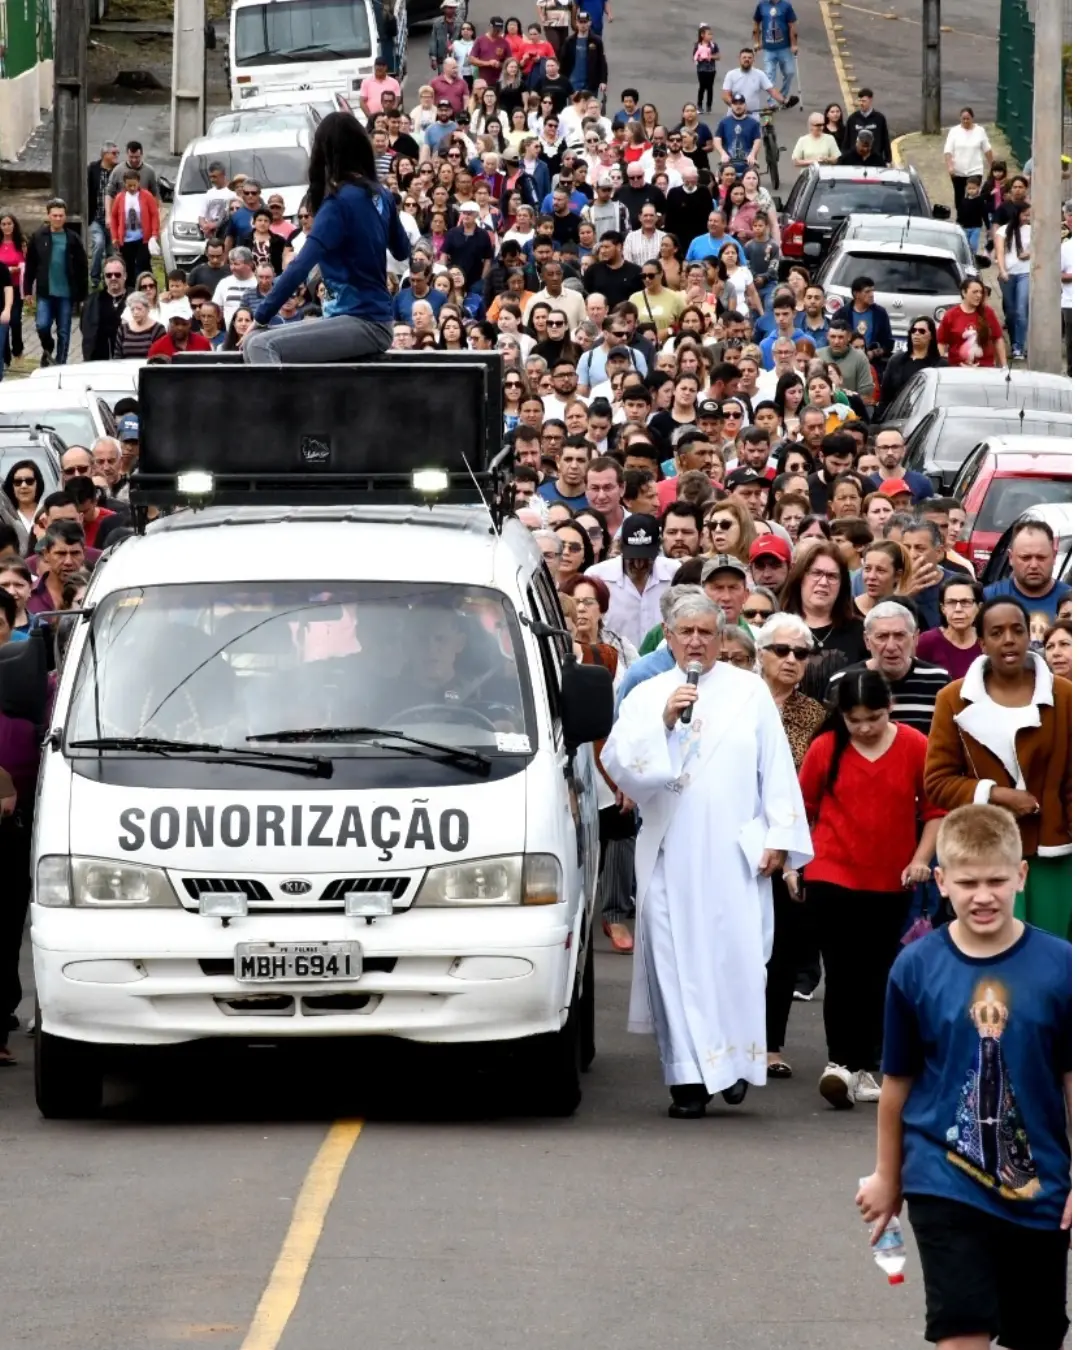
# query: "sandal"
{"points": [[780, 1068]]}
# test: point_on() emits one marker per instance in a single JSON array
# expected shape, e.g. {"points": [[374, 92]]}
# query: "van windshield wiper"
{"points": [[481, 763], [317, 767], [315, 48]]}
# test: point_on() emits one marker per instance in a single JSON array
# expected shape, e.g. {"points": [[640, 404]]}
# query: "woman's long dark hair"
{"points": [[9, 481], [855, 689], [933, 352], [341, 153], [1012, 226], [16, 233]]}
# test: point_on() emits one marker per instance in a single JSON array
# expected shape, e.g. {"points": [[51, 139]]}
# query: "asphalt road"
{"points": [[454, 1225]]}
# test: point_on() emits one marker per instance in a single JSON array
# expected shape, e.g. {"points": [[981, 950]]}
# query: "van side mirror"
{"points": [[166, 187], [940, 212], [588, 703]]}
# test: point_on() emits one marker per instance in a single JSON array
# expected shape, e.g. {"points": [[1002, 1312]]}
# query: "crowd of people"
{"points": [[809, 675]]}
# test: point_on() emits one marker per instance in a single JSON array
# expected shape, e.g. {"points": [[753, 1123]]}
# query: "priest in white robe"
{"points": [[721, 811]]}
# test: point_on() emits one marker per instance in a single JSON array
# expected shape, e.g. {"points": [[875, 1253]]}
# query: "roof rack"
{"points": [[420, 428]]}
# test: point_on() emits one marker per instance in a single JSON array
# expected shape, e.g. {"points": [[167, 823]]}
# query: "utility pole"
{"points": [[69, 109], [931, 67], [1044, 332], [188, 73]]}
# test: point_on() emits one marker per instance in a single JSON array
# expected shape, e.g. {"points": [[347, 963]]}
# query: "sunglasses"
{"points": [[304, 215], [147, 285], [752, 614], [513, 384], [574, 547], [785, 649], [25, 482], [650, 276], [249, 192], [732, 416], [114, 276], [722, 525], [925, 332], [79, 469]]}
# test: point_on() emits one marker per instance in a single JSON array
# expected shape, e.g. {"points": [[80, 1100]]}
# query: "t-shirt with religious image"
{"points": [[960, 333], [987, 1041]]}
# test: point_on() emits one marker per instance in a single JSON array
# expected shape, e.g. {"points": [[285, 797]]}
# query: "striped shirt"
{"points": [[914, 695]]}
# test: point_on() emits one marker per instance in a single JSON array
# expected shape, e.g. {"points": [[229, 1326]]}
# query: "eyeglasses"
{"points": [[587, 600], [817, 574], [551, 556], [735, 659], [785, 649], [945, 604]]}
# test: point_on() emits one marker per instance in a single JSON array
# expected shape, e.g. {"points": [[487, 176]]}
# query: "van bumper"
{"points": [[165, 978]]}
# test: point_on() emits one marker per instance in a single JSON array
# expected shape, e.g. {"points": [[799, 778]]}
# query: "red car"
{"points": [[1000, 480]]}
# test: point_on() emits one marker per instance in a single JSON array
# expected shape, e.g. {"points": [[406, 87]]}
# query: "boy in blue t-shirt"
{"points": [[973, 1122]]}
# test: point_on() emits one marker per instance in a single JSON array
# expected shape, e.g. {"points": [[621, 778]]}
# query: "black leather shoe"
{"points": [[688, 1101], [736, 1094]]}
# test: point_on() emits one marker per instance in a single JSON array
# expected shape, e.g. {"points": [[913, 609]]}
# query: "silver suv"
{"points": [[909, 279]]}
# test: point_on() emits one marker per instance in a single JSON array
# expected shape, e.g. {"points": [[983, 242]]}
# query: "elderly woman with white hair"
{"points": [[784, 645], [139, 329], [701, 749]]}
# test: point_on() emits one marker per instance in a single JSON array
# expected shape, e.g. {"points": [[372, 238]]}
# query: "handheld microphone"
{"points": [[693, 674]]}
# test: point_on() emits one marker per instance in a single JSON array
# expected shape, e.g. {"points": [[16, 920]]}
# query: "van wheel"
{"points": [[552, 1068], [68, 1077], [588, 1010]]}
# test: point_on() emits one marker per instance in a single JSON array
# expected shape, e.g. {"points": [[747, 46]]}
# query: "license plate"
{"points": [[288, 962]]}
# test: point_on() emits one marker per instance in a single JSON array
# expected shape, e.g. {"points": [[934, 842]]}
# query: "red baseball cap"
{"points": [[770, 546], [893, 487]]}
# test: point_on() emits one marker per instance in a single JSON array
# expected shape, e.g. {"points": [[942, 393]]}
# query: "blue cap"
{"points": [[127, 429]]}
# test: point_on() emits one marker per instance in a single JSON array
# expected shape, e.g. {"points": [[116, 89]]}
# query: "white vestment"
{"points": [[713, 795]]}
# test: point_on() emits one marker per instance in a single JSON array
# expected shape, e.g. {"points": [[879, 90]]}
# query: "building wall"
{"points": [[26, 70]]}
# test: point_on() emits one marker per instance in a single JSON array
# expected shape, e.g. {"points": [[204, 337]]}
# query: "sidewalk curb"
{"points": [[898, 146]]}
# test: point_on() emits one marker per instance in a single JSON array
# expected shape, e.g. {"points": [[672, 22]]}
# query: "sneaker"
{"points": [[837, 1085], [803, 997], [866, 1087], [44, 361]]}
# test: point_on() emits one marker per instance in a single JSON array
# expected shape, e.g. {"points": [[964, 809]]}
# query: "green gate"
{"points": [[1016, 76]]}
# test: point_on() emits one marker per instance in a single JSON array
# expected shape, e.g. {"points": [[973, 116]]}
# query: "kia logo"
{"points": [[295, 887]]}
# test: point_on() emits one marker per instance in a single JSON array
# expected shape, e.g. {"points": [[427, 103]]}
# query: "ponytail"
{"points": [[855, 689]]}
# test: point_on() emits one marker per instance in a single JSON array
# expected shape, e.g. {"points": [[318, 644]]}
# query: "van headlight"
{"points": [[248, 90], [99, 883], [185, 229], [532, 879]]}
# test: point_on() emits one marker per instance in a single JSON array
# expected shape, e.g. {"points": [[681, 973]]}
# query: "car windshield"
{"points": [[1034, 395], [1008, 498], [292, 30], [74, 426], [260, 119], [900, 274], [960, 435], [237, 664], [272, 167], [837, 198]]}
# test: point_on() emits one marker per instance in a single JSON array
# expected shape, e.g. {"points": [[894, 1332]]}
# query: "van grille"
{"points": [[254, 890], [395, 887]]}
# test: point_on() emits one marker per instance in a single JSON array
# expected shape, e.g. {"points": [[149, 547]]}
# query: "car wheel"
{"points": [[68, 1076], [588, 1011], [552, 1068]]}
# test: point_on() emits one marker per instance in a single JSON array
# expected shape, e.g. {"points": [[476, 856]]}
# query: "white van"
{"points": [[310, 44], [316, 769]]}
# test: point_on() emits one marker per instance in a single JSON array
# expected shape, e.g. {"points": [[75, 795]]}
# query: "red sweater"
{"points": [[865, 830], [164, 345]]}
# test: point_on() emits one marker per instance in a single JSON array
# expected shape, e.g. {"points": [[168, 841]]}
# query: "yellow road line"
{"points": [[309, 1214], [906, 18], [838, 61]]}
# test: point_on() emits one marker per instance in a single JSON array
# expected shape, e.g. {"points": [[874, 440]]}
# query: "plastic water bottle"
{"points": [[888, 1250]]}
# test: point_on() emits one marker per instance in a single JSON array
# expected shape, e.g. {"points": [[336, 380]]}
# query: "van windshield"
{"points": [[281, 166], [301, 30], [242, 665]]}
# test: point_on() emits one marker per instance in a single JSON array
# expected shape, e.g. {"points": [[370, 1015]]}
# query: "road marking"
{"points": [[905, 18], [838, 60], [309, 1214]]}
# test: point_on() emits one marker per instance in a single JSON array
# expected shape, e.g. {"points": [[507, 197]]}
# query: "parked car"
{"points": [[1000, 480], [37, 443], [942, 441], [1058, 515], [110, 380], [278, 160], [946, 386], [909, 279], [911, 230], [824, 195], [78, 416], [286, 110]]}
